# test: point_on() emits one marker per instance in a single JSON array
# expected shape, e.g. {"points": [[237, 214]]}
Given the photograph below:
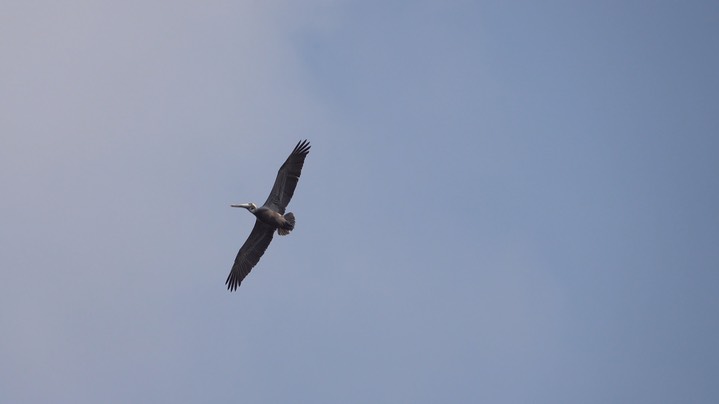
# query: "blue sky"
{"points": [[505, 202]]}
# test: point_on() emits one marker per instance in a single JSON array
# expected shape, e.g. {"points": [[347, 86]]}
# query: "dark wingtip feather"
{"points": [[231, 283], [303, 147]]}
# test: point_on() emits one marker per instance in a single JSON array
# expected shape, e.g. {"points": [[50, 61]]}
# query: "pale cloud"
{"points": [[116, 118]]}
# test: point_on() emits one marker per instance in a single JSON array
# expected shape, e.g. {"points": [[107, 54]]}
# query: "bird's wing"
{"points": [[250, 254], [287, 178]]}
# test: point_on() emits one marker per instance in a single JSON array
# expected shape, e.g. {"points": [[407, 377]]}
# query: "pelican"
{"points": [[270, 216]]}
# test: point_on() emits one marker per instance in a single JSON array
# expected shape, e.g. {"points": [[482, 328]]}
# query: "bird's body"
{"points": [[274, 219], [270, 216]]}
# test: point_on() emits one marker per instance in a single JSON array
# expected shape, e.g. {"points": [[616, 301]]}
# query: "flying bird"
{"points": [[270, 216]]}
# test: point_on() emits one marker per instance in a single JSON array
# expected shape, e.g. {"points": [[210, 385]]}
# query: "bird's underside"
{"points": [[270, 217]]}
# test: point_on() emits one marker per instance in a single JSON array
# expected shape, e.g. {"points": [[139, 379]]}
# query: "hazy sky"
{"points": [[505, 202]]}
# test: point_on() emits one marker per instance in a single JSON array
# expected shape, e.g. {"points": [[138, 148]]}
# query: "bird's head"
{"points": [[249, 206]]}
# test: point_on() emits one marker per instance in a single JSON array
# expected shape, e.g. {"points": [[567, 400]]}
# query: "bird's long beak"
{"points": [[242, 205]]}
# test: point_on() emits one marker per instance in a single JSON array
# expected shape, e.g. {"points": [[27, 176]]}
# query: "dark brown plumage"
{"points": [[270, 216]]}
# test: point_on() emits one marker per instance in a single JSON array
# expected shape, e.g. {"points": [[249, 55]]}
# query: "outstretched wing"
{"points": [[250, 254], [287, 178]]}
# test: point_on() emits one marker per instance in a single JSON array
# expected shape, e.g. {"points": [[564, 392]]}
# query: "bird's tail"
{"points": [[289, 226]]}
